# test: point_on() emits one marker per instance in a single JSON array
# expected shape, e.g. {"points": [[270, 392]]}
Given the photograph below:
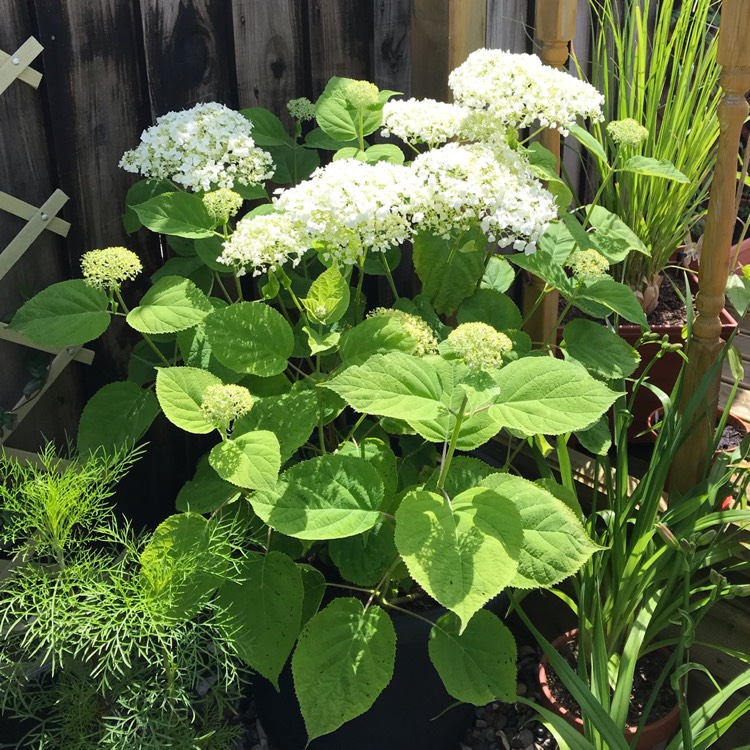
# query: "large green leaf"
{"points": [[491, 307], [116, 415], [479, 665], [293, 163], [315, 587], [140, 192], [614, 238], [462, 553], [343, 661], [268, 130], [615, 297], [448, 274], [363, 559], [382, 458], [263, 634], [292, 416], [180, 393], [250, 461], [378, 335], [250, 337], [465, 472], [206, 491], [196, 352], [555, 544], [327, 497], [601, 351], [179, 214], [172, 304], [647, 165], [394, 385], [498, 274], [542, 395], [69, 313]]}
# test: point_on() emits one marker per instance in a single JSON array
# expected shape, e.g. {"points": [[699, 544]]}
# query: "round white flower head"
{"points": [[222, 204], [415, 326], [301, 109], [518, 90], [108, 268], [422, 120], [479, 345], [222, 404], [349, 207], [361, 93], [492, 185], [207, 147], [588, 265], [264, 243], [627, 132]]}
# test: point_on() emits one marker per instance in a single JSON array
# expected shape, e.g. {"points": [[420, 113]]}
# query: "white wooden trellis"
{"points": [[13, 68]]}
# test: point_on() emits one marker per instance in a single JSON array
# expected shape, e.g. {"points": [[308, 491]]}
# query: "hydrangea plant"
{"points": [[346, 431]]}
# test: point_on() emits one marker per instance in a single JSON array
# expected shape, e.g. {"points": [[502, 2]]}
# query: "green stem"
{"points": [[238, 287], [360, 132], [360, 279], [598, 195], [448, 456], [223, 288], [389, 275], [146, 337]]}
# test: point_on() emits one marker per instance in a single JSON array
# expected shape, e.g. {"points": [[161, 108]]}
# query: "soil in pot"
{"points": [[734, 429], [663, 719]]}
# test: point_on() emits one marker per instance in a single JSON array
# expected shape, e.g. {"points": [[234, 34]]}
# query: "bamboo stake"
{"points": [[705, 342], [555, 28]]}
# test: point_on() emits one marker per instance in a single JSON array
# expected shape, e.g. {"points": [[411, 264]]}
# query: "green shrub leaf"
{"points": [[498, 275], [545, 396], [250, 461], [363, 559], [394, 385], [116, 415], [654, 168], [69, 313], [463, 553], [491, 307], [180, 393], [343, 661], [179, 214], [268, 130], [263, 634], [250, 337], [206, 491], [555, 544], [172, 304], [328, 297], [374, 336], [601, 351], [614, 238], [479, 665], [140, 192], [615, 297], [326, 497]]}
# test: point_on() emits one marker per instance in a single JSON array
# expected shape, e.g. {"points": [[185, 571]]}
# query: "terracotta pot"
{"points": [[653, 736], [656, 416], [664, 372], [743, 257]]}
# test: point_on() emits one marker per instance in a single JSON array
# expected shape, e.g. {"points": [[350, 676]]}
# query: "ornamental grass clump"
{"points": [[338, 424]]}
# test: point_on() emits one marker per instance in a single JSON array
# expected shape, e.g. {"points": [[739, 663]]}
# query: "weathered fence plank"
{"points": [[187, 48], [392, 45], [341, 34], [269, 53]]}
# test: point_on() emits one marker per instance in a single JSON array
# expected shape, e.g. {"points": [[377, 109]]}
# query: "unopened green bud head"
{"points": [[301, 109], [627, 132], [109, 267], [222, 404], [479, 345], [588, 265], [222, 204], [361, 94]]}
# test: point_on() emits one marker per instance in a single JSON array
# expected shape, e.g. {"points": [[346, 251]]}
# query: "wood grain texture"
{"points": [[27, 172], [341, 35], [507, 27], [269, 53], [188, 53], [392, 45]]}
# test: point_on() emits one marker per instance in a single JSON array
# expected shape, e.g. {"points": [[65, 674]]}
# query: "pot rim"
{"points": [[655, 417]]}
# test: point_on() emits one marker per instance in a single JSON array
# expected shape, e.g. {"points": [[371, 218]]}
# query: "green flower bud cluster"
{"points": [[301, 109], [415, 326], [222, 404], [479, 345], [108, 268], [627, 132], [361, 94], [588, 265], [222, 204]]}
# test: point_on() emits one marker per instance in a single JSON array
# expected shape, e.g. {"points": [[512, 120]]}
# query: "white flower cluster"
{"points": [[460, 186], [422, 120], [350, 206], [518, 90], [263, 243], [207, 147]]}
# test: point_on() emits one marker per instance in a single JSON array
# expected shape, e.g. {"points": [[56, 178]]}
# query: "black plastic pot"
{"points": [[402, 718]]}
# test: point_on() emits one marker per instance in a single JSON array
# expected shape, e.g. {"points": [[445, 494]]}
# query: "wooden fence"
{"points": [[111, 67]]}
